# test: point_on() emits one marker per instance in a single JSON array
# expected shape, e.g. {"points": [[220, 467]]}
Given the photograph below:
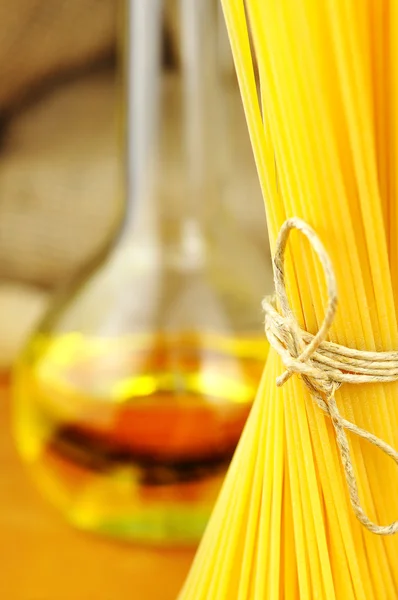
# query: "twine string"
{"points": [[324, 366]]}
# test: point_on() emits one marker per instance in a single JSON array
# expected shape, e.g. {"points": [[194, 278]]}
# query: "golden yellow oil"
{"points": [[132, 436]]}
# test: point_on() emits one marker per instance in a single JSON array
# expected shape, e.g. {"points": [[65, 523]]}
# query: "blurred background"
{"points": [[62, 157], [60, 148]]}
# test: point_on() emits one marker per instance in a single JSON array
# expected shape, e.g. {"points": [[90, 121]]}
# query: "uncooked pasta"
{"points": [[323, 121]]}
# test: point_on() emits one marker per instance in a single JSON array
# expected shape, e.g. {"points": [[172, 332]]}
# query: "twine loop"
{"points": [[324, 366]]}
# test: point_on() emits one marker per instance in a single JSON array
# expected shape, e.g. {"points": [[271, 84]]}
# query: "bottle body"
{"points": [[132, 436]]}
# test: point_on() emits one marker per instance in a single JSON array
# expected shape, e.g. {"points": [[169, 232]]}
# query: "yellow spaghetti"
{"points": [[324, 131]]}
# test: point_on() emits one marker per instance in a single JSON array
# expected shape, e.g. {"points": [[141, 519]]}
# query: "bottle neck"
{"points": [[142, 101], [175, 124]]}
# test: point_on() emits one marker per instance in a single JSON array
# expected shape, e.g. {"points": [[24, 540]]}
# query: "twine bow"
{"points": [[324, 366]]}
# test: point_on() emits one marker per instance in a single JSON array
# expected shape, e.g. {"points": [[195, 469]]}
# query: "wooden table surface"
{"points": [[42, 558]]}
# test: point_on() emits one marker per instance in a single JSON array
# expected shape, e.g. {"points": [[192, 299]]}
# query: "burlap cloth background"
{"points": [[59, 159], [41, 40]]}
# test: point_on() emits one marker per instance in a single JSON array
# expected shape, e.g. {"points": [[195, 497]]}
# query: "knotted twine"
{"points": [[324, 366]]}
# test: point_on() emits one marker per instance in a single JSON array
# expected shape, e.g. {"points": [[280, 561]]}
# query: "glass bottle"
{"points": [[132, 394]]}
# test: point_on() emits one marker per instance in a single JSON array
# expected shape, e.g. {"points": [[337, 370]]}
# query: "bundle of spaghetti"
{"points": [[324, 129]]}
